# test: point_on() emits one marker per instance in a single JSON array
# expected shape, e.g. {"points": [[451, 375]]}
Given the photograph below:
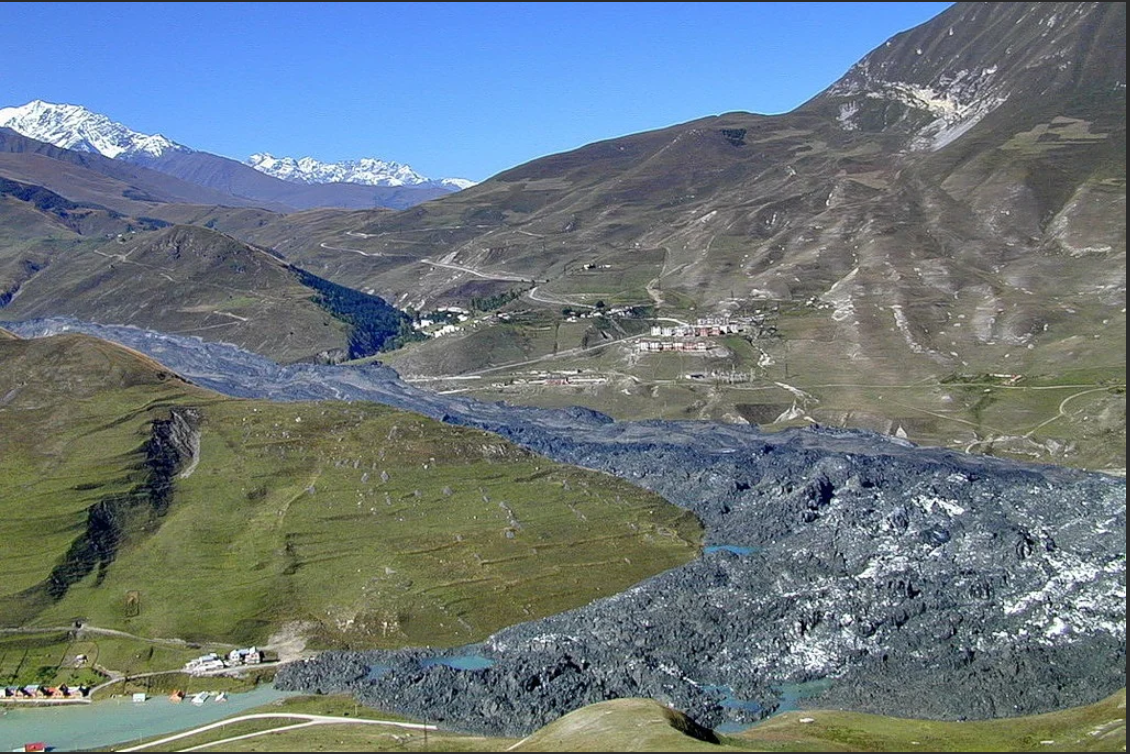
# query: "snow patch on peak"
{"points": [[458, 184], [366, 171], [958, 102], [847, 113], [75, 127]]}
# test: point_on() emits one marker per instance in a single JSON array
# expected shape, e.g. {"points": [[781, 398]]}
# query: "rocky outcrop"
{"points": [[888, 578]]}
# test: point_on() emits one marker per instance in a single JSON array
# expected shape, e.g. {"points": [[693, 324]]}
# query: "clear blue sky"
{"points": [[453, 89]]}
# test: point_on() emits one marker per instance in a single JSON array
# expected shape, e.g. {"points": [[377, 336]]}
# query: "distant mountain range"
{"points": [[366, 171], [952, 207], [75, 127], [272, 182]]}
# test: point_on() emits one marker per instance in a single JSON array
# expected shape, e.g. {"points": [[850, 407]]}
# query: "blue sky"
{"points": [[459, 89]]}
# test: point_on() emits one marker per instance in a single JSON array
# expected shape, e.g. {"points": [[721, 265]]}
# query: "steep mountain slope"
{"points": [[934, 247], [951, 211], [38, 227], [76, 128], [143, 503], [63, 257], [180, 279]]}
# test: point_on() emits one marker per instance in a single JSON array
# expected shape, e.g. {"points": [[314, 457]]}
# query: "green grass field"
{"points": [[1095, 727], [83, 658], [365, 526], [646, 725]]}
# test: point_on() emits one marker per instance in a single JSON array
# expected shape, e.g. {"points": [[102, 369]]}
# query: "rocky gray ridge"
{"points": [[889, 578]]}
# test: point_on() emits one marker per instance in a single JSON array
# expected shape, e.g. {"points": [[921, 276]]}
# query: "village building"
{"points": [[248, 656]]}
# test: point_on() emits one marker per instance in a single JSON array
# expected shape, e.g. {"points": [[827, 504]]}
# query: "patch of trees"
{"points": [[42, 199], [497, 301], [147, 223], [736, 136], [375, 325]]}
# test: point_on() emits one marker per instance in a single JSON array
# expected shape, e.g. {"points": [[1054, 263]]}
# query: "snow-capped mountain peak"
{"points": [[75, 127], [367, 171]]}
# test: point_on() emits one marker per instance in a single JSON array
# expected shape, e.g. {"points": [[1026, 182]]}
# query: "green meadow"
{"points": [[352, 525]]}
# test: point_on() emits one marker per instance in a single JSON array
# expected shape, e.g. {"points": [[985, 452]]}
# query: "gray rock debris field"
{"points": [[850, 567]]}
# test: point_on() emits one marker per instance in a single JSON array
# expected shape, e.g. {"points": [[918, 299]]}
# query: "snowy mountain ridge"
{"points": [[367, 171], [75, 127]]}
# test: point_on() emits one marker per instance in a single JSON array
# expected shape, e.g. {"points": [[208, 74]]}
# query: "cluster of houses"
{"points": [[212, 662], [684, 346], [730, 376], [681, 335], [36, 692], [443, 321], [197, 699], [575, 377], [706, 327], [600, 311]]}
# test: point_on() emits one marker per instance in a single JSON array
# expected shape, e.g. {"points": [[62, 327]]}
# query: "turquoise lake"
{"points": [[81, 727]]}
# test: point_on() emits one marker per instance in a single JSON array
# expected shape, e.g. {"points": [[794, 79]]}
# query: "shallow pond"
{"points": [[734, 549]]}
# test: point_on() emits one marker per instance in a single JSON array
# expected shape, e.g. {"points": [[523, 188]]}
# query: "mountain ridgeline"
{"points": [[945, 223], [378, 184]]}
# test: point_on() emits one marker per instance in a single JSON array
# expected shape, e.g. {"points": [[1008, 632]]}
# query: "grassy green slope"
{"points": [[73, 414], [363, 525], [646, 725], [623, 725], [186, 280], [1095, 727]]}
